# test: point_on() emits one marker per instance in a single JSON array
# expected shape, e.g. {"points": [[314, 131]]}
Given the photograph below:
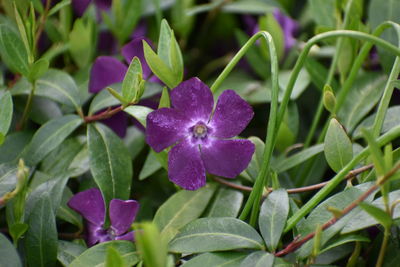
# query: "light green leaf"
{"points": [[66, 213], [151, 245], [68, 252], [139, 112], [110, 162], [114, 259], [165, 102], [344, 240], [8, 178], [227, 203], [273, 215], [41, 237], [14, 145], [323, 12], [379, 214], [133, 77], [217, 259], [151, 165], [12, 50], [338, 147], [182, 208], [38, 69], [215, 234], [96, 256], [6, 112], [254, 167], [49, 136], [81, 43], [298, 158], [259, 259], [8, 253]]}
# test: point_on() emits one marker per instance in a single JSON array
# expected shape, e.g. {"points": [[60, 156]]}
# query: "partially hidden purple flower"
{"points": [[199, 136], [288, 25], [80, 6], [90, 204], [107, 70]]}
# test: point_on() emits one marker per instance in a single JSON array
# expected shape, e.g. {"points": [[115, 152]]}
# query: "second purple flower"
{"points": [[200, 135]]}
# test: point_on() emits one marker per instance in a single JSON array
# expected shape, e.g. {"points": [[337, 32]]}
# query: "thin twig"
{"points": [[349, 176], [42, 21], [295, 244]]}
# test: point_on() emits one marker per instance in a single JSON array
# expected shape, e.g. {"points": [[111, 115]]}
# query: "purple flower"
{"points": [[289, 27], [90, 204], [80, 6], [199, 135]]}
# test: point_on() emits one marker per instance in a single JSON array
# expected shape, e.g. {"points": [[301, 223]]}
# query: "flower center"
{"points": [[200, 131]]}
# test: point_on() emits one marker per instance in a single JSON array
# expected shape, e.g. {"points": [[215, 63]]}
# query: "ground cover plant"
{"points": [[199, 133]]}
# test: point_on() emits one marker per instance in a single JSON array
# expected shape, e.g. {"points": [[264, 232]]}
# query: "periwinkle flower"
{"points": [[199, 136], [90, 204]]}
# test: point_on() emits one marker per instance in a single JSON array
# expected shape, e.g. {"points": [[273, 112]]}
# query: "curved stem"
{"points": [[317, 198]]}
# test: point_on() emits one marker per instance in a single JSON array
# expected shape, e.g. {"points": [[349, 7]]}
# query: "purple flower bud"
{"points": [[90, 204], [199, 135]]}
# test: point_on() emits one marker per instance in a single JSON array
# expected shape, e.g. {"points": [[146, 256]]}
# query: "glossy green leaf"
{"points": [[215, 234], [273, 215], [227, 203], [258, 259], [133, 77], [367, 90], [379, 214], [49, 136], [96, 256], [13, 146], [164, 42], [8, 178], [134, 141], [8, 254], [159, 67], [6, 112], [54, 84], [12, 50], [338, 147], [110, 162], [80, 164], [182, 208], [139, 112], [217, 259], [41, 237], [38, 69], [104, 99], [392, 119], [298, 158], [151, 165], [68, 252]]}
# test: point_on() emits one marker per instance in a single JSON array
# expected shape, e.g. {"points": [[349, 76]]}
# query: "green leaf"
{"points": [[6, 112], [57, 7], [344, 240], [151, 245], [8, 254], [215, 234], [13, 146], [105, 99], [367, 90], [254, 167], [139, 112], [81, 43], [269, 23], [23, 33], [375, 152], [273, 215], [38, 69], [323, 12], [298, 158], [110, 162], [227, 203], [259, 259], [41, 237], [113, 258], [164, 43], [49, 136], [165, 102], [338, 147], [8, 178], [12, 50], [175, 59], [133, 11], [96, 256], [182, 208], [380, 215], [318, 74], [55, 85], [133, 77], [159, 67], [217, 259], [151, 165], [17, 230], [66, 213], [68, 252], [249, 6]]}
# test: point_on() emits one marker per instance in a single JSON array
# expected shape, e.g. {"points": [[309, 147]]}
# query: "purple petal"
{"points": [[289, 28], [90, 205], [185, 167], [251, 25], [95, 234], [194, 98], [106, 71], [130, 236], [103, 4], [118, 123], [231, 115], [107, 43], [135, 48], [227, 158], [165, 127], [140, 30], [122, 214], [80, 6]]}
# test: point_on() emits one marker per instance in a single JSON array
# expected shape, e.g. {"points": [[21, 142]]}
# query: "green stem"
{"points": [[382, 251], [27, 108], [262, 178], [317, 198]]}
